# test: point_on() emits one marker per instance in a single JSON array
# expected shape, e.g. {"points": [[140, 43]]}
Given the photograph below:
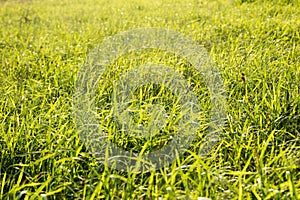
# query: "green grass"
{"points": [[256, 46]]}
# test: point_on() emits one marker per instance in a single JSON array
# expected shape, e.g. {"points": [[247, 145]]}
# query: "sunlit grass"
{"points": [[256, 46]]}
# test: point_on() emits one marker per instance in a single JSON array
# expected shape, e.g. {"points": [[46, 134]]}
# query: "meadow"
{"points": [[255, 44]]}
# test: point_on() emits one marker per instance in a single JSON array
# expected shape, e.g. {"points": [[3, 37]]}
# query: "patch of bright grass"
{"points": [[256, 46]]}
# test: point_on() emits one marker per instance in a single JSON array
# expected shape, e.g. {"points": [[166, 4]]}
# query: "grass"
{"points": [[256, 46]]}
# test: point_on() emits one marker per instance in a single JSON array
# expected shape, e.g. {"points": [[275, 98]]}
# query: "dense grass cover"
{"points": [[256, 46]]}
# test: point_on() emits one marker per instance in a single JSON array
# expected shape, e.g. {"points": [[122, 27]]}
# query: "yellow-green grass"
{"points": [[256, 46]]}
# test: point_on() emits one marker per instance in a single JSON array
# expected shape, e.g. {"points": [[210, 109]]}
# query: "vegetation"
{"points": [[256, 46]]}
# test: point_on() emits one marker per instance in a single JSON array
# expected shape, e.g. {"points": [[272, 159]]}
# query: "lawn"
{"points": [[254, 44]]}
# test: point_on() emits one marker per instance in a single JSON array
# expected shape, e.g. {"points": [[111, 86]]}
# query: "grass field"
{"points": [[255, 44]]}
